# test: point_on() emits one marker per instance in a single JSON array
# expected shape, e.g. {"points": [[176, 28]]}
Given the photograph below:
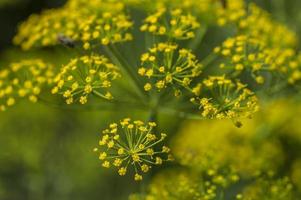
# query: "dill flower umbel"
{"points": [[215, 145], [222, 98], [176, 24], [260, 24], [243, 53], [181, 184], [24, 79], [94, 23], [84, 76], [165, 64], [267, 188], [105, 30], [132, 144], [231, 12]]}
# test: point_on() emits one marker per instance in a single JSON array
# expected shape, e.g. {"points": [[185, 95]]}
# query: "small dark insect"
{"points": [[238, 124], [224, 3], [65, 40]]}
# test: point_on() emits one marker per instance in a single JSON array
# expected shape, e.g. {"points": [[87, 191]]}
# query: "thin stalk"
{"points": [[209, 59], [198, 39], [120, 62]]}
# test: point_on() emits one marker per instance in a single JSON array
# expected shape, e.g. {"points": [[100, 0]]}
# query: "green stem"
{"points": [[116, 57], [198, 39], [209, 59]]}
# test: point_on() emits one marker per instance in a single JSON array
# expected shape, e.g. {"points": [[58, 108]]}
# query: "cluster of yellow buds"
{"points": [[165, 64], [84, 76], [108, 28], [242, 53], [94, 22], [211, 145], [222, 98], [180, 25], [181, 184], [267, 188], [259, 24], [285, 61], [230, 12], [43, 30], [24, 79], [294, 70], [132, 143]]}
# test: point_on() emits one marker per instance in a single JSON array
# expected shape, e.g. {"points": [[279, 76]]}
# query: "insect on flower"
{"points": [[66, 41], [224, 3]]}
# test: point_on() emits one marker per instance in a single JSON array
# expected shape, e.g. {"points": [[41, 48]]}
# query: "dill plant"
{"points": [[154, 49]]}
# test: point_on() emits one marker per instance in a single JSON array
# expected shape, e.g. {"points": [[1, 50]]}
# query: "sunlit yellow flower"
{"points": [[260, 24], [94, 23], [222, 98], [24, 79], [175, 23], [167, 65], [84, 76], [132, 144], [268, 188], [252, 55]]}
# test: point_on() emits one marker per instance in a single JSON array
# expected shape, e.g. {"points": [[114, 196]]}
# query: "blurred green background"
{"points": [[46, 150]]}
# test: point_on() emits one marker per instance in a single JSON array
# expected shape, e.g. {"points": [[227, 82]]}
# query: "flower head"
{"points": [[165, 64], [132, 144], [231, 13], [222, 98], [84, 76], [176, 23], [24, 79], [93, 23], [109, 28], [268, 188], [249, 54], [259, 24]]}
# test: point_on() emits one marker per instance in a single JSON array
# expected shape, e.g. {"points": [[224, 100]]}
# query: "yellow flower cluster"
{"points": [[207, 11], [296, 174], [183, 184], [219, 97], [231, 12], [180, 185], [94, 22], [105, 29], [175, 24], [269, 189], [132, 143], [84, 76], [291, 64], [211, 146], [259, 24], [24, 79], [165, 64], [242, 53]]}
